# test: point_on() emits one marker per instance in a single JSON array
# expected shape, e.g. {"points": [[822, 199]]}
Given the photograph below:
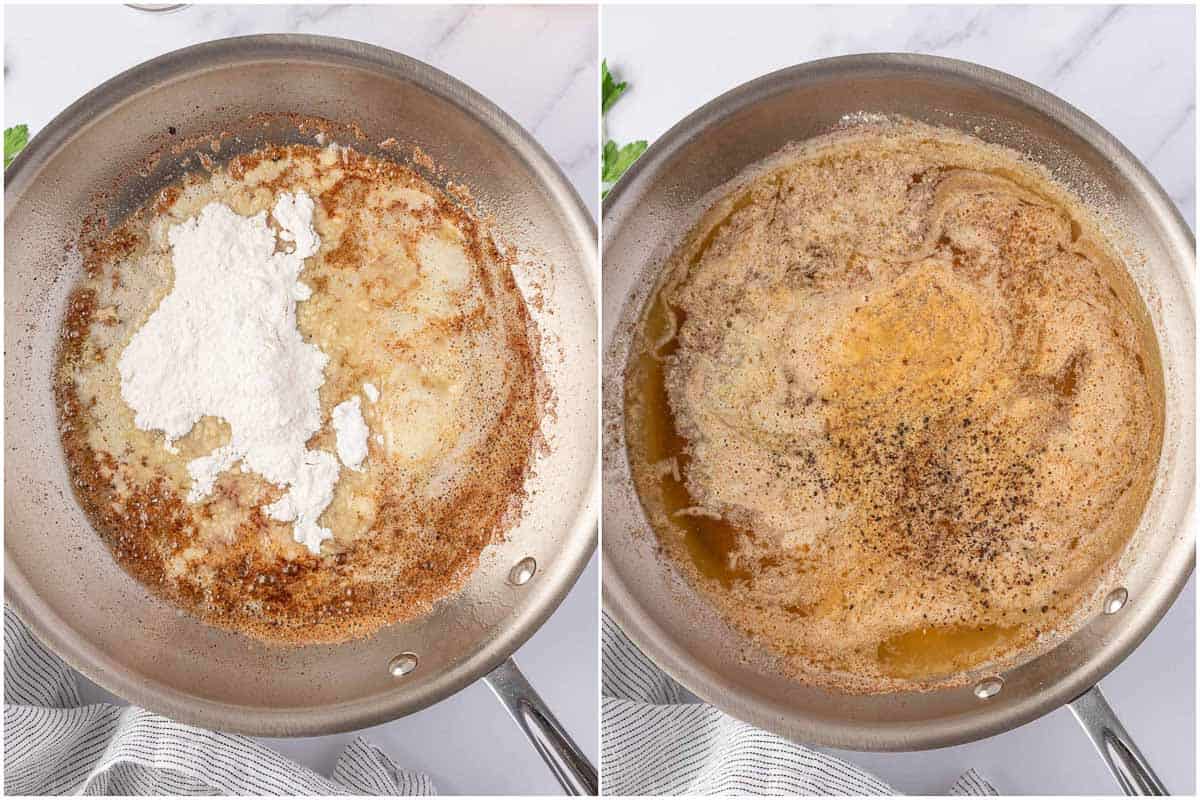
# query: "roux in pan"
{"points": [[895, 407], [410, 296]]}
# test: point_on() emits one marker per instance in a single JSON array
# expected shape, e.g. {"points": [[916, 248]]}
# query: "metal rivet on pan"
{"points": [[402, 664], [988, 687], [1116, 600], [520, 574]]}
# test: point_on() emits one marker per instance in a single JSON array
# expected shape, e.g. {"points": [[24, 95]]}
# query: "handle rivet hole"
{"points": [[522, 572], [1116, 600], [988, 687], [402, 664]]}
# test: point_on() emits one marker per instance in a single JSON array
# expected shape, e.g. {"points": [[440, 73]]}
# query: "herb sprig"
{"points": [[615, 158], [15, 139]]}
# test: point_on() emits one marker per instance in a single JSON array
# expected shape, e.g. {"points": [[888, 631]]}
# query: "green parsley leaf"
{"points": [[615, 159], [15, 139], [610, 90], [618, 159]]}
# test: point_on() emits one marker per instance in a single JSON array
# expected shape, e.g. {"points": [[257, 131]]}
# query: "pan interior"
{"points": [[660, 200], [117, 148]]}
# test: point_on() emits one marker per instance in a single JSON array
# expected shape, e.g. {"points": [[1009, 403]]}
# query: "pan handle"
{"points": [[568, 763], [1114, 744]]}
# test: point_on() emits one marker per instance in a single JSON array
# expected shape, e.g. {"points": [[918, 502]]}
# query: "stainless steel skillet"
{"points": [[658, 200], [112, 150]]}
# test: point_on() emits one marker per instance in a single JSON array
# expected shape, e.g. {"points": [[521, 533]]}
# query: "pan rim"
{"points": [[580, 228], [619, 600]]}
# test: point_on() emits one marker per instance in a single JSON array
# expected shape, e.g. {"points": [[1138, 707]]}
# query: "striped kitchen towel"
{"points": [[55, 745], [658, 739]]}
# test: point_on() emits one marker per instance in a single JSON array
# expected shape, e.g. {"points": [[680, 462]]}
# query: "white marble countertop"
{"points": [[1132, 69], [55, 54]]}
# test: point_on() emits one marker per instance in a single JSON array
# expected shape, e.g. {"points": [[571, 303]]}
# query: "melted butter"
{"points": [[910, 342], [934, 410], [932, 652], [710, 542], [741, 202]]}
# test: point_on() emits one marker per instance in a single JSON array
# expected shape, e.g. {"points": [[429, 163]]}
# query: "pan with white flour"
{"points": [[288, 446]]}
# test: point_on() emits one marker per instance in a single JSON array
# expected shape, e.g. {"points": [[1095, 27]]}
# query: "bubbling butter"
{"points": [[896, 407]]}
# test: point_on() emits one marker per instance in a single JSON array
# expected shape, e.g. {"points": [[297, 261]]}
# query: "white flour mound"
{"points": [[224, 343], [351, 430]]}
